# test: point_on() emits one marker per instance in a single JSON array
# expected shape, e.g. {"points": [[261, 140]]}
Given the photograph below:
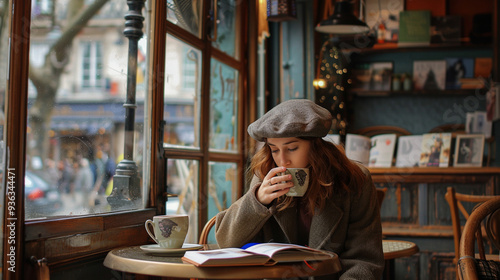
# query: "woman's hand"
{"points": [[274, 186]]}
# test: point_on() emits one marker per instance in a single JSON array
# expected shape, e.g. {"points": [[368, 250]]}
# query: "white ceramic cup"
{"points": [[300, 178], [169, 231]]}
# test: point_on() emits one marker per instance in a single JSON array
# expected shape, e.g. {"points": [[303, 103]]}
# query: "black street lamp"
{"points": [[126, 184]]}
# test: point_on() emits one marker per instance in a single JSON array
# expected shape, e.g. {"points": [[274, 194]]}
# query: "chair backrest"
{"points": [[380, 195], [455, 201], [469, 266], [493, 228], [206, 230], [381, 129]]}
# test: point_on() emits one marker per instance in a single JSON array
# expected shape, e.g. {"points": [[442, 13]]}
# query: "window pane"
{"points": [[91, 66], [222, 183], [183, 180], [186, 14], [226, 38], [224, 107], [182, 94], [75, 134]]}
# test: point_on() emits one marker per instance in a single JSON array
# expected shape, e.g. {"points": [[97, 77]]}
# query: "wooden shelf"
{"points": [[417, 175], [433, 93], [436, 171], [417, 231], [393, 47]]}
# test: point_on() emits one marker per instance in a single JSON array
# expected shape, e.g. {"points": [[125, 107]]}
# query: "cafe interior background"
{"points": [[152, 99]]}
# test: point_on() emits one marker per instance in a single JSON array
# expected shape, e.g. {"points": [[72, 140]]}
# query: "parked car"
{"points": [[41, 198]]}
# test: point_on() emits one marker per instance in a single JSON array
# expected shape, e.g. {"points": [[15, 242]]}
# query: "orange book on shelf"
{"points": [[483, 67]]}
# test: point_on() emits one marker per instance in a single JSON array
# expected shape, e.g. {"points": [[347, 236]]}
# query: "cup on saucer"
{"points": [[169, 231]]}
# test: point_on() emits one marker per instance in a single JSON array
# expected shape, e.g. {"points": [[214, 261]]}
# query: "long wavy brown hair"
{"points": [[331, 172]]}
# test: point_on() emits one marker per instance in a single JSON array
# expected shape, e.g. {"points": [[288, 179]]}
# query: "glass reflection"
{"points": [[221, 183], [186, 14], [224, 33], [224, 107], [77, 88], [182, 94], [183, 181]]}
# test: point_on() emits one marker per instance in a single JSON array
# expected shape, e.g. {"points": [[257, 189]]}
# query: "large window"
{"points": [[75, 128], [203, 136], [73, 140], [69, 98]]}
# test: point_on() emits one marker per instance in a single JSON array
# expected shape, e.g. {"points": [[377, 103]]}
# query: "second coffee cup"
{"points": [[169, 231]]}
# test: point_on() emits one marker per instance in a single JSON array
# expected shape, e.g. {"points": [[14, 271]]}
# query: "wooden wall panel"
{"points": [[437, 7]]}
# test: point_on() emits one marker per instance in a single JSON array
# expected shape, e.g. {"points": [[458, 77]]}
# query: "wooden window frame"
{"points": [[67, 240]]}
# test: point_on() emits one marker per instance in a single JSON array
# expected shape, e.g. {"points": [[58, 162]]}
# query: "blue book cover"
{"points": [[456, 69]]}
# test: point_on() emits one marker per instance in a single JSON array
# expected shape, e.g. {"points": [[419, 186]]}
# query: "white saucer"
{"points": [[157, 250]]}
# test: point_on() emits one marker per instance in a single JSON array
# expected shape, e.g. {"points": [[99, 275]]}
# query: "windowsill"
{"points": [[72, 225]]}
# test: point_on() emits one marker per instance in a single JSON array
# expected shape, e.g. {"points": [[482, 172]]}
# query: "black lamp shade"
{"points": [[281, 10], [343, 21]]}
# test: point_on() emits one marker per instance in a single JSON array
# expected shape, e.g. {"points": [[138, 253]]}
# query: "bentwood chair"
{"points": [[381, 195], [458, 203], [206, 230], [471, 267]]}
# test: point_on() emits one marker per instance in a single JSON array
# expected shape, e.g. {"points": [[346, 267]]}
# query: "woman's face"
{"points": [[290, 152]]}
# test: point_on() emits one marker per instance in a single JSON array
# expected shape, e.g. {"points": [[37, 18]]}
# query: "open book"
{"points": [[259, 254], [375, 151]]}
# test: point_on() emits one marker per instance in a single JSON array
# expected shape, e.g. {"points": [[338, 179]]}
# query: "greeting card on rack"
{"points": [[469, 150], [429, 74], [357, 147], [435, 150], [382, 150], [409, 150]]}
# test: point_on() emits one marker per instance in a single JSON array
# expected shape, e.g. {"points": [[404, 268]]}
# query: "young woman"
{"points": [[339, 211]]}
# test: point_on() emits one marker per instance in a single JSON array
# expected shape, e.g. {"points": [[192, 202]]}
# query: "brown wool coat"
{"points": [[349, 226]]}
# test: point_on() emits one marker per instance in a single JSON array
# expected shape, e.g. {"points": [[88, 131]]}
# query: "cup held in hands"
{"points": [[169, 231], [300, 178]]}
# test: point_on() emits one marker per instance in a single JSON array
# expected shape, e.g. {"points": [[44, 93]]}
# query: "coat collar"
{"points": [[323, 224]]}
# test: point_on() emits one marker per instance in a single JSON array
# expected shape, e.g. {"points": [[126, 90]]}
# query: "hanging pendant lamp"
{"points": [[343, 21]]}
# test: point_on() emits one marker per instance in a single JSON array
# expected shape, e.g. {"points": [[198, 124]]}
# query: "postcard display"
{"points": [[427, 150]]}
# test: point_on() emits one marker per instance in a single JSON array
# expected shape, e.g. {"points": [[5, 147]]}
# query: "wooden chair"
{"points": [[493, 228], [456, 203], [381, 129], [454, 128], [206, 230], [381, 195], [469, 266]]}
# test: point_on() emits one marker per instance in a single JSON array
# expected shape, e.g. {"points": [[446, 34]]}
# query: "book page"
{"points": [[382, 150], [409, 150], [282, 252], [226, 256], [357, 147]]}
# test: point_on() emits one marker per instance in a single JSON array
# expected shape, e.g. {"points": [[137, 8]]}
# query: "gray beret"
{"points": [[292, 118]]}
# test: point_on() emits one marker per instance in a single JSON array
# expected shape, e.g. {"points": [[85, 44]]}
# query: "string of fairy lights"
{"points": [[332, 80]]}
